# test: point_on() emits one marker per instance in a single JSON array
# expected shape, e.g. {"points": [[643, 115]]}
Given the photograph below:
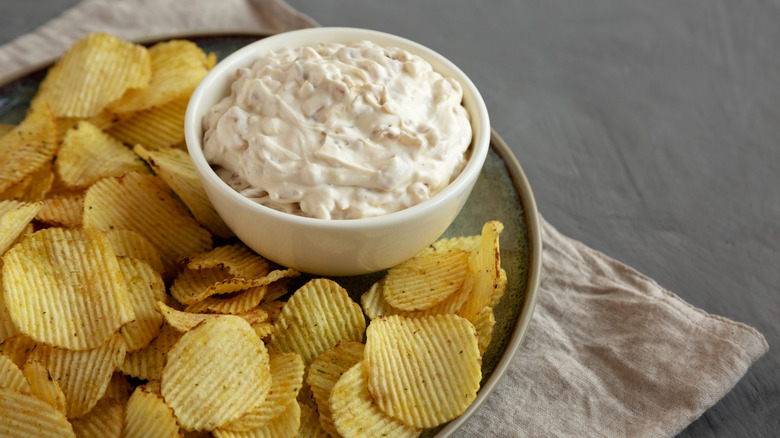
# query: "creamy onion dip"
{"points": [[338, 131]]}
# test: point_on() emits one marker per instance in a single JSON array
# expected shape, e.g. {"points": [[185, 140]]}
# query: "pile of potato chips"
{"points": [[129, 309]]}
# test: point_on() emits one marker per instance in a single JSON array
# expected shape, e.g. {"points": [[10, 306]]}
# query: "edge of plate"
{"points": [[523, 188]]}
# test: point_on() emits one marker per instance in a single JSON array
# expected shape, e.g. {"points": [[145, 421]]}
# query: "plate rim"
{"points": [[519, 181]]}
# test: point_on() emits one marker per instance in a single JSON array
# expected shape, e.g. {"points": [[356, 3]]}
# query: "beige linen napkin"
{"points": [[608, 352]]}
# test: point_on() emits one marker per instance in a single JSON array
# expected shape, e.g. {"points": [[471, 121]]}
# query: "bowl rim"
{"points": [[480, 144]]}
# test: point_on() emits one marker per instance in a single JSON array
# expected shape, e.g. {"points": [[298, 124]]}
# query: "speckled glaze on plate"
{"points": [[501, 193]]}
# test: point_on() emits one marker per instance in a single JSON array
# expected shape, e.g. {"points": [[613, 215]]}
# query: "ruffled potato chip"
{"points": [[177, 68], [156, 128], [186, 321], [285, 425], [43, 385], [375, 305], [18, 348], [237, 260], [175, 167], [11, 377], [23, 415], [83, 375], [194, 285], [14, 222], [215, 373], [355, 414], [96, 70], [485, 266], [63, 210], [88, 154], [234, 303], [147, 415], [7, 327], [27, 148], [317, 316], [286, 380], [128, 243], [424, 281], [34, 187], [145, 288], [138, 202], [325, 371], [82, 298], [105, 420], [484, 323], [422, 371], [147, 363]]}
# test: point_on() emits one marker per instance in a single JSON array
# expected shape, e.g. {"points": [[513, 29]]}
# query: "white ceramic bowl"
{"points": [[334, 247]]}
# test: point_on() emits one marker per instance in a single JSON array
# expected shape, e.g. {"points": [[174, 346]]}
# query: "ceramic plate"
{"points": [[502, 193]]}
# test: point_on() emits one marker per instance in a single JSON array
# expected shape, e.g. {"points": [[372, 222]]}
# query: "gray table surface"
{"points": [[649, 130]]}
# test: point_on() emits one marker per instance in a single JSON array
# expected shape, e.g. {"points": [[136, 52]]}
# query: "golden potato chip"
{"points": [[375, 305], [484, 323], [424, 281], [325, 371], [7, 327], [18, 348], [285, 425], [34, 187], [147, 363], [146, 288], [96, 70], [63, 210], [137, 202], [11, 377], [310, 423], [147, 415], [317, 316], [43, 385], [355, 413], [193, 285], [128, 243], [272, 308], [215, 373], [175, 167], [263, 329], [119, 388], [422, 371], [236, 259], [286, 380], [27, 148], [211, 60], [83, 375], [156, 128], [105, 420], [4, 128], [14, 222], [499, 289], [22, 415], [88, 154], [186, 321], [233, 303], [484, 265], [81, 298], [177, 68]]}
